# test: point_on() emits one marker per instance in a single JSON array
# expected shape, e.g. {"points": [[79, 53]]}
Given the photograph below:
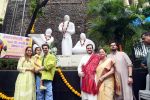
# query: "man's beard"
{"points": [[89, 52], [113, 50]]}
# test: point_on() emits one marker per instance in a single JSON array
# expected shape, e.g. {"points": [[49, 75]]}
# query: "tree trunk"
{"points": [[38, 7]]}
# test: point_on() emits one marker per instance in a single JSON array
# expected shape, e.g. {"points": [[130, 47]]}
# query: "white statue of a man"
{"points": [[67, 28], [47, 37], [43, 38], [80, 47]]}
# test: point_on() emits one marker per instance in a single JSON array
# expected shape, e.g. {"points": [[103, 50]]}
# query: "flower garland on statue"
{"points": [[4, 97], [64, 30], [82, 44], [67, 83]]}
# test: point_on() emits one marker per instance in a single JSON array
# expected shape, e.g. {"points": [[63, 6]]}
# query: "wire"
{"points": [[13, 18]]}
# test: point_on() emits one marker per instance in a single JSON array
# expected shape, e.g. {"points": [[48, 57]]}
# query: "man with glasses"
{"points": [[87, 70], [48, 69]]}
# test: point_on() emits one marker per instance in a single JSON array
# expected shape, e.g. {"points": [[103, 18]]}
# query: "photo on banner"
{"points": [[13, 46]]}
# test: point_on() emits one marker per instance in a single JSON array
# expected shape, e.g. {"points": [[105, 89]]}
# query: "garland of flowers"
{"points": [[67, 83], [4, 97], [64, 31], [82, 44]]}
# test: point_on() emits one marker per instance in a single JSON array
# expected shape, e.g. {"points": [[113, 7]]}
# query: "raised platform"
{"points": [[61, 92], [69, 61]]}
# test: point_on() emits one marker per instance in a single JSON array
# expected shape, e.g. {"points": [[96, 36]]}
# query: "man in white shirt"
{"points": [[87, 70]]}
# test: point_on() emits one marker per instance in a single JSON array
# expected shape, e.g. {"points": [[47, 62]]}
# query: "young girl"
{"points": [[38, 64]]}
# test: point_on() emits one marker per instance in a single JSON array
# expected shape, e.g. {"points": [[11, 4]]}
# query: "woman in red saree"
{"points": [[107, 83]]}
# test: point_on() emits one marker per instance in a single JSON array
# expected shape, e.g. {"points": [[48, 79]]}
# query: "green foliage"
{"points": [[8, 64], [1, 19], [110, 20], [146, 11], [33, 4]]}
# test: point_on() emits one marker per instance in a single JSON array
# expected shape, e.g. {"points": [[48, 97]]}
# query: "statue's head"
{"points": [[82, 36], [48, 32], [66, 18]]}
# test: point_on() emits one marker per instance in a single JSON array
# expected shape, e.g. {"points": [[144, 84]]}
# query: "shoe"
{"points": [[43, 87]]}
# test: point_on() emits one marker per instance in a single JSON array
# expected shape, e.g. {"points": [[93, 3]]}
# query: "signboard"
{"points": [[12, 46]]}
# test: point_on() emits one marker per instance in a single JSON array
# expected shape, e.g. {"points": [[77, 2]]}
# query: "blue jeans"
{"points": [[44, 94]]}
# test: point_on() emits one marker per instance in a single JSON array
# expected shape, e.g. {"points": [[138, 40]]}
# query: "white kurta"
{"points": [[67, 29], [85, 96], [122, 61], [81, 49], [66, 45]]}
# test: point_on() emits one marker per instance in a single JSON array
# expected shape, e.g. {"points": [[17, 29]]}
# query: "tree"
{"points": [[39, 5], [111, 20]]}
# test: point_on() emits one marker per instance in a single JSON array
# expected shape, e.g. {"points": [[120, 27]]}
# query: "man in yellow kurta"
{"points": [[48, 71]]}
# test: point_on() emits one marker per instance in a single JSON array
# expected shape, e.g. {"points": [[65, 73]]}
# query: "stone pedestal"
{"points": [[69, 61], [36, 36]]}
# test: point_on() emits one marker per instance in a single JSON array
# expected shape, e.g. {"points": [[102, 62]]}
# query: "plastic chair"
{"points": [[145, 94]]}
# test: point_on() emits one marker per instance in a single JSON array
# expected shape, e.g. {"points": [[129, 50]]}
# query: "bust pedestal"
{"points": [[69, 61]]}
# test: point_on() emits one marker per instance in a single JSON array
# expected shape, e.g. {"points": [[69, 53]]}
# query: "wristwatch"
{"points": [[130, 76]]}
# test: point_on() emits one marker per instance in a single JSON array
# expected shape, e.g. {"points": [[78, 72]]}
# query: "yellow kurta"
{"points": [[106, 90], [25, 83], [38, 59]]}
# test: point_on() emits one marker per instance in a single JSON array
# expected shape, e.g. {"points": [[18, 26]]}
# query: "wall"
{"points": [[54, 13]]}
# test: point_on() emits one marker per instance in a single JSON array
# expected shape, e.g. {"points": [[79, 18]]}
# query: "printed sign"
{"points": [[12, 46]]}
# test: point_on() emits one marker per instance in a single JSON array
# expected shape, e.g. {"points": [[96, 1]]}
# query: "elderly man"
{"points": [[67, 28], [80, 47]]}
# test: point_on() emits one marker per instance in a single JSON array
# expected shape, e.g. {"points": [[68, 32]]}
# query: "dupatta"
{"points": [[88, 81]]}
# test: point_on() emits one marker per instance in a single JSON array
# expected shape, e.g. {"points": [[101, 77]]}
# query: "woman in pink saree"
{"points": [[107, 81]]}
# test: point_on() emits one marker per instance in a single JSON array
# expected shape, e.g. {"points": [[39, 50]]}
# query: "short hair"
{"points": [[145, 34], [45, 45], [36, 49], [89, 45], [114, 42]]}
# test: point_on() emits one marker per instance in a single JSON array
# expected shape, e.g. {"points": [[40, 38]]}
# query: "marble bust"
{"points": [[40, 39], [80, 47], [67, 28], [47, 37]]}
